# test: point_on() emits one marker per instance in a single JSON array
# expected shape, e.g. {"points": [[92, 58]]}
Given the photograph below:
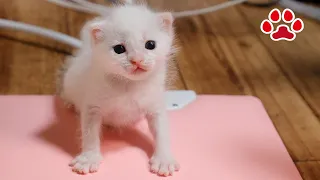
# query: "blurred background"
{"points": [[222, 52]]}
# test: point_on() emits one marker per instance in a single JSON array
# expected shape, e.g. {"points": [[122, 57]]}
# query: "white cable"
{"points": [[40, 31], [74, 6], [93, 8], [208, 9], [97, 7], [305, 9]]}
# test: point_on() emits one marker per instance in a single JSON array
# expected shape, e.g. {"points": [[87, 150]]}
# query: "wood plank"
{"points": [[279, 86], [298, 59], [226, 22], [282, 90], [257, 73], [191, 24], [202, 69], [255, 16], [34, 12], [180, 5], [309, 170], [300, 135], [26, 69]]}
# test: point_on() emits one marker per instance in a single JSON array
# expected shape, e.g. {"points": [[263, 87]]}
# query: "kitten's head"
{"points": [[132, 41]]}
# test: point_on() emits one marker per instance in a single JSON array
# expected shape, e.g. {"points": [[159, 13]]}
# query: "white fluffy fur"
{"points": [[98, 82]]}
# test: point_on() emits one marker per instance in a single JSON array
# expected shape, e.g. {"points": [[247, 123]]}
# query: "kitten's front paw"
{"points": [[86, 162], [163, 165]]}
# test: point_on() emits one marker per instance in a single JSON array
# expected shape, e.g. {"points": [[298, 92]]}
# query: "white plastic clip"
{"points": [[177, 99]]}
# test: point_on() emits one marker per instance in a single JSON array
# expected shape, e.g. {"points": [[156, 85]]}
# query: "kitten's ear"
{"points": [[96, 32], [166, 20]]}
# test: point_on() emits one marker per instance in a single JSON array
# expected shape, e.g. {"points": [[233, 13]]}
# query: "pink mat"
{"points": [[214, 138]]}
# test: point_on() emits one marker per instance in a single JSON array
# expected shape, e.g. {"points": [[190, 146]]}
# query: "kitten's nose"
{"points": [[136, 61]]}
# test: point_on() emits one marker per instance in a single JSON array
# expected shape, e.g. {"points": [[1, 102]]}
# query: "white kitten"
{"points": [[117, 77]]}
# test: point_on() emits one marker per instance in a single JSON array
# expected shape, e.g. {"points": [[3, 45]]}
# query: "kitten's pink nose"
{"points": [[136, 61]]}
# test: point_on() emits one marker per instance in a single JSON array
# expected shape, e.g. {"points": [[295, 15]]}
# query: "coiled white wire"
{"points": [[88, 7], [302, 8], [40, 31], [99, 9]]}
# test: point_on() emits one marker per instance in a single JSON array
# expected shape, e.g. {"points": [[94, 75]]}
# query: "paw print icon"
{"points": [[284, 31]]}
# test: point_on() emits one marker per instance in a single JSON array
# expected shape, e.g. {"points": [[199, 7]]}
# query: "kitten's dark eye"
{"points": [[119, 49], [150, 45]]}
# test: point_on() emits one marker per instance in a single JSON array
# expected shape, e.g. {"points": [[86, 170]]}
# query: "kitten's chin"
{"points": [[138, 75]]}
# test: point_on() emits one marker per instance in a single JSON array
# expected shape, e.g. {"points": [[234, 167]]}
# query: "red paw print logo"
{"points": [[283, 31]]}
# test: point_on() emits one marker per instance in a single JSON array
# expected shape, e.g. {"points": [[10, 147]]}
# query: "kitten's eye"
{"points": [[119, 49], [150, 45]]}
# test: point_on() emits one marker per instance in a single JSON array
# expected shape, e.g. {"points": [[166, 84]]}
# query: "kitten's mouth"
{"points": [[138, 69]]}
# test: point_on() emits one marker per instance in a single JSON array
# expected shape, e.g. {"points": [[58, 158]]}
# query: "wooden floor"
{"points": [[221, 53]]}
